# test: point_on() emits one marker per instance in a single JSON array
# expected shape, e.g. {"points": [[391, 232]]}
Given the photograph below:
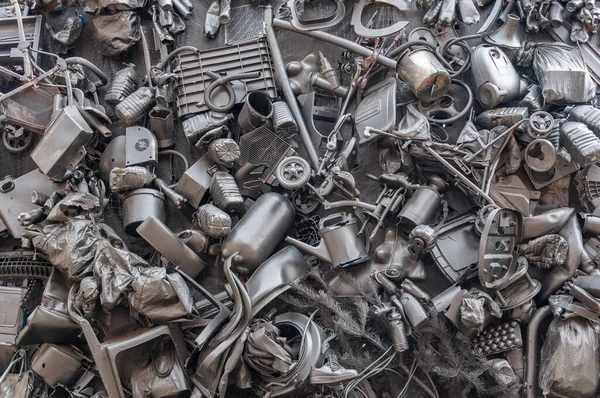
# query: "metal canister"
{"points": [[135, 106], [141, 204], [225, 192], [283, 122], [256, 110], [259, 232], [123, 84], [424, 74], [420, 208]]}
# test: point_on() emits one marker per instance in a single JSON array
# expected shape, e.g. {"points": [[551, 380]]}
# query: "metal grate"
{"points": [[249, 56], [307, 230], [14, 265], [263, 147], [246, 23]]}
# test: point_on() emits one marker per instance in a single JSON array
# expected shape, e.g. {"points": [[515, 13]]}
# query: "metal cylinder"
{"points": [[225, 192], [590, 224], [420, 208], [556, 14], [586, 114], [283, 122], [259, 231], [196, 240], [123, 84], [256, 110], [213, 221], [141, 204], [423, 73], [161, 125], [135, 106], [502, 117], [159, 236]]}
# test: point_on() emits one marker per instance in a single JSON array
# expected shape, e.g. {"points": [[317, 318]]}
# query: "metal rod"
{"points": [[28, 84], [23, 43], [336, 40], [284, 83], [532, 338]]}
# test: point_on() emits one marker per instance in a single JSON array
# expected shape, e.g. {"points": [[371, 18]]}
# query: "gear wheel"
{"points": [[293, 173]]}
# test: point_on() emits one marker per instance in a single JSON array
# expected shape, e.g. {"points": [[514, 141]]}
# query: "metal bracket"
{"points": [[363, 31]]}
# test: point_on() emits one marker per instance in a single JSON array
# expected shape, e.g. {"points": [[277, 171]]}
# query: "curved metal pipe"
{"points": [[175, 53], [223, 81], [90, 66], [532, 352], [238, 310]]}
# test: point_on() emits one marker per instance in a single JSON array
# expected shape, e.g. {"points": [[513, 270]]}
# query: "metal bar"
{"points": [[284, 83]]}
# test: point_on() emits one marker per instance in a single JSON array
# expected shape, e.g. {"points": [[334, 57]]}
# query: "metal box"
{"points": [[196, 181], [62, 146], [11, 315], [57, 364]]}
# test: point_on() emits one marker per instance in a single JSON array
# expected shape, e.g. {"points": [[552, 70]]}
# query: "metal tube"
{"points": [[329, 38], [284, 83], [531, 344], [29, 84], [176, 52], [23, 44], [147, 61], [94, 123], [159, 236]]}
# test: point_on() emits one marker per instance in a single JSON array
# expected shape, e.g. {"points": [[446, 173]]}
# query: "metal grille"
{"points": [[246, 23], [263, 147], [250, 56], [23, 265]]}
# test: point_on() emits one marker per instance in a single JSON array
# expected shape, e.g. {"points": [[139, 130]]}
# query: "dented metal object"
{"points": [[259, 231], [421, 70]]}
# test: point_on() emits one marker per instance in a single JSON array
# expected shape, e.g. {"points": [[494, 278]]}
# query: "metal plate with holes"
{"points": [[497, 248]]}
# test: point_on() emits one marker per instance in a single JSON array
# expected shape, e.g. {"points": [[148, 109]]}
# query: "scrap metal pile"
{"points": [[415, 213]]}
